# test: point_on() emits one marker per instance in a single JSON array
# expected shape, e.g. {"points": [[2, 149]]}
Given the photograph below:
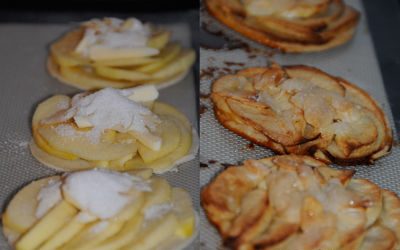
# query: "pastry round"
{"points": [[302, 110], [289, 25], [159, 62], [50, 213], [60, 142], [297, 202]]}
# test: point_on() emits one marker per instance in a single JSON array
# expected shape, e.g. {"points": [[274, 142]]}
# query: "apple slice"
{"points": [[183, 209], [132, 209], [122, 74], [159, 40], [181, 63], [20, 212], [91, 235], [167, 55], [125, 62], [55, 219], [63, 50], [42, 143], [155, 232], [83, 147], [99, 53], [84, 79], [170, 137], [161, 193], [164, 163], [128, 233], [50, 107], [167, 110], [66, 233]]}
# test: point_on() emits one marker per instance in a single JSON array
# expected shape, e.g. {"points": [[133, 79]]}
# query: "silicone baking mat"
{"points": [[25, 82], [355, 61]]}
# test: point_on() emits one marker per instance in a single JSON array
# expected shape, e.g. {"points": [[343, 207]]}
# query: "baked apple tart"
{"points": [[289, 25], [111, 128], [296, 202], [302, 110], [118, 53], [100, 209]]}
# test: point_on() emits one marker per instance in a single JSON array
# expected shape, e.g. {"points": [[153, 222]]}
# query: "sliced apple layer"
{"points": [[160, 215], [74, 60], [63, 145]]}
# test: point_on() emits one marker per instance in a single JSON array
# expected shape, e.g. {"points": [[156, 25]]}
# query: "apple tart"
{"points": [[289, 25], [118, 53], [297, 202], [116, 129], [302, 110], [100, 209]]}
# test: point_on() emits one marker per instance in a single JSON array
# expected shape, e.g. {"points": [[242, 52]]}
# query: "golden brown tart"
{"points": [[296, 202], [302, 110], [289, 25]]}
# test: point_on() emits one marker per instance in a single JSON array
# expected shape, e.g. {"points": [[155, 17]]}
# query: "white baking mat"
{"points": [[25, 82], [355, 61]]}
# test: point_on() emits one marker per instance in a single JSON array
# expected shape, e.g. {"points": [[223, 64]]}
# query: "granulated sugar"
{"points": [[106, 109], [100, 192]]}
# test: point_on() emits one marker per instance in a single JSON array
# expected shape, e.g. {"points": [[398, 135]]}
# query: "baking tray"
{"points": [[25, 82], [355, 61]]}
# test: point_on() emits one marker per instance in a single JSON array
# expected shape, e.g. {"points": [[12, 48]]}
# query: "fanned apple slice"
{"points": [[65, 234], [162, 164], [161, 193], [155, 232], [128, 233], [98, 53], [170, 135], [118, 229], [63, 50], [167, 55], [371, 196], [50, 107], [82, 145], [20, 213], [378, 237], [180, 64], [92, 234], [122, 74], [83, 78], [55, 219], [126, 62], [183, 209], [159, 40]]}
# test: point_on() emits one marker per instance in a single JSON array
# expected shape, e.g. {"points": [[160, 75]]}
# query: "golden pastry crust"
{"points": [[297, 202], [302, 110], [325, 25]]}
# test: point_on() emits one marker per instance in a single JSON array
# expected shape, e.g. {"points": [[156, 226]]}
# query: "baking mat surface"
{"points": [[355, 61], [25, 82]]}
